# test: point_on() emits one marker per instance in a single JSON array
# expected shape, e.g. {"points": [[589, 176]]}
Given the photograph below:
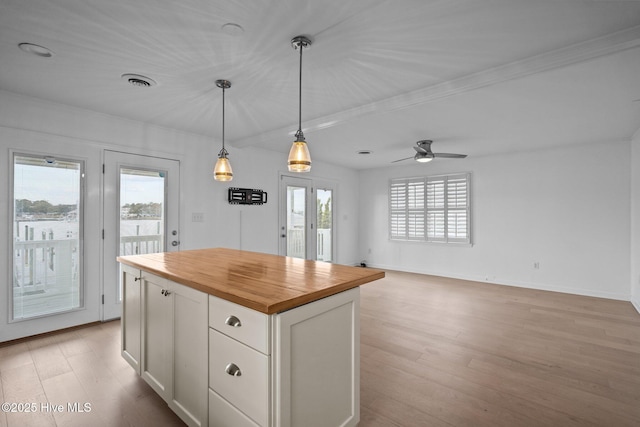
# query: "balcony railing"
{"points": [[135, 245], [39, 264], [296, 244]]}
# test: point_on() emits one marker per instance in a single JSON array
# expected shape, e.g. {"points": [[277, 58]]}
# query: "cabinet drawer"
{"points": [[223, 414], [241, 323], [248, 390], [150, 277]]}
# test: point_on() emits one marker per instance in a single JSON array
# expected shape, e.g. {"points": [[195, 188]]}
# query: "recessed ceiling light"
{"points": [[364, 152], [35, 49], [232, 29], [138, 80]]}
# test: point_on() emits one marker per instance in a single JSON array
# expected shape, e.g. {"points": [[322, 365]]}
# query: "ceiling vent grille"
{"points": [[138, 80]]}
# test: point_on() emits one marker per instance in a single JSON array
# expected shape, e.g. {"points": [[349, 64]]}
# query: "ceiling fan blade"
{"points": [[420, 150], [401, 160], [450, 155]]}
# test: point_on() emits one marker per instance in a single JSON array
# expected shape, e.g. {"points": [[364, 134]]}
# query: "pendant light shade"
{"points": [[222, 171], [299, 157]]}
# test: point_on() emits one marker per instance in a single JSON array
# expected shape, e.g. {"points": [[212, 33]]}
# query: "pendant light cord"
{"points": [[300, 42], [300, 92], [223, 88]]}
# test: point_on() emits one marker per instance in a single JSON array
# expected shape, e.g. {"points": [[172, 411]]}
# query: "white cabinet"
{"points": [[131, 322], [221, 364], [258, 362], [174, 346], [316, 361]]}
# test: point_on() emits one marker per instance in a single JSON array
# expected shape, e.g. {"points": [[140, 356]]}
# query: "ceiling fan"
{"points": [[424, 153]]}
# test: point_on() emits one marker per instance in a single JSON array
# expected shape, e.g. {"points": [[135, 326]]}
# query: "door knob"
{"points": [[175, 243]]}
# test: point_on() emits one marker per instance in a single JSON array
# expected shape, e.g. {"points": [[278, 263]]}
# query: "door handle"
{"points": [[233, 321], [175, 243], [233, 370]]}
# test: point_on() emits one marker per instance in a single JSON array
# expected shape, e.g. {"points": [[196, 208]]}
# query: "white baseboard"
{"points": [[518, 284]]}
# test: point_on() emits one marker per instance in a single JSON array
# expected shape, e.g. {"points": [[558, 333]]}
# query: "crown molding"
{"points": [[579, 52]]}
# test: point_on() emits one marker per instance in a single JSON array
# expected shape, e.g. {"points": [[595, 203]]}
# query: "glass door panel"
{"points": [[142, 200], [296, 221], [324, 225], [306, 220], [47, 236]]}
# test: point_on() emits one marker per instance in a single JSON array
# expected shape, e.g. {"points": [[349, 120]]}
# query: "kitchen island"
{"points": [[238, 338]]}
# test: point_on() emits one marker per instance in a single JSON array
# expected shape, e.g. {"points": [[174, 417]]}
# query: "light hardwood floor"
{"points": [[445, 352], [434, 352]]}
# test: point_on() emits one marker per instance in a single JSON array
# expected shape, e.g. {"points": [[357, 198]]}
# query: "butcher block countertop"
{"points": [[263, 282]]}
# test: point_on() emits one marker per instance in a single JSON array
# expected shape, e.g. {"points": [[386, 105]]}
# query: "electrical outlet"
{"points": [[197, 217], [536, 265]]}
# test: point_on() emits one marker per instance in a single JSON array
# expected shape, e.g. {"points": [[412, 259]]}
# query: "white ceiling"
{"points": [[477, 76]]}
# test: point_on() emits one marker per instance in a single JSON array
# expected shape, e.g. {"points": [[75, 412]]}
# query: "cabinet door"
{"points": [[157, 334], [131, 322], [317, 359], [190, 351]]}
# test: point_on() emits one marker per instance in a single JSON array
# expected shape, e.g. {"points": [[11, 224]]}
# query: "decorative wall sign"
{"points": [[246, 196]]}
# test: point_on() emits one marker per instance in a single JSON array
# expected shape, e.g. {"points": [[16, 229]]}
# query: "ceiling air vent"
{"points": [[138, 80]]}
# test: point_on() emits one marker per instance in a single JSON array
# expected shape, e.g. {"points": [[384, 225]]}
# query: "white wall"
{"points": [[38, 126], [246, 227], [521, 210], [255, 228], [566, 208], [635, 221]]}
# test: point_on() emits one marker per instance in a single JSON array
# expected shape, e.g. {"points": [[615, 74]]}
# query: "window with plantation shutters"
{"points": [[432, 209]]}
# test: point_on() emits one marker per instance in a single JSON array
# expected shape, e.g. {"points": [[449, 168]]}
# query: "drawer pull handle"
{"points": [[233, 321], [233, 370]]}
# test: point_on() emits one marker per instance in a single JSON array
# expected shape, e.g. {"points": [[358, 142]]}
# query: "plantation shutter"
{"points": [[397, 209], [415, 210], [458, 209], [435, 209], [407, 209]]}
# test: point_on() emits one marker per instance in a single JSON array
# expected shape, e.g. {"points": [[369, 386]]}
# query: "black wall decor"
{"points": [[246, 196]]}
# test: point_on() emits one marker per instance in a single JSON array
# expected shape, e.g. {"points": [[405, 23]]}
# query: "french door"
{"points": [[141, 215], [49, 269], [306, 219], [48, 255]]}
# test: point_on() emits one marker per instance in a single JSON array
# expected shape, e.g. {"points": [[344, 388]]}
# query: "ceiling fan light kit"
{"points": [[222, 171], [422, 158], [299, 156]]}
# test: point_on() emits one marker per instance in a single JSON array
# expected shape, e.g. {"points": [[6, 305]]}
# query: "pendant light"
{"points": [[222, 170], [299, 157]]}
